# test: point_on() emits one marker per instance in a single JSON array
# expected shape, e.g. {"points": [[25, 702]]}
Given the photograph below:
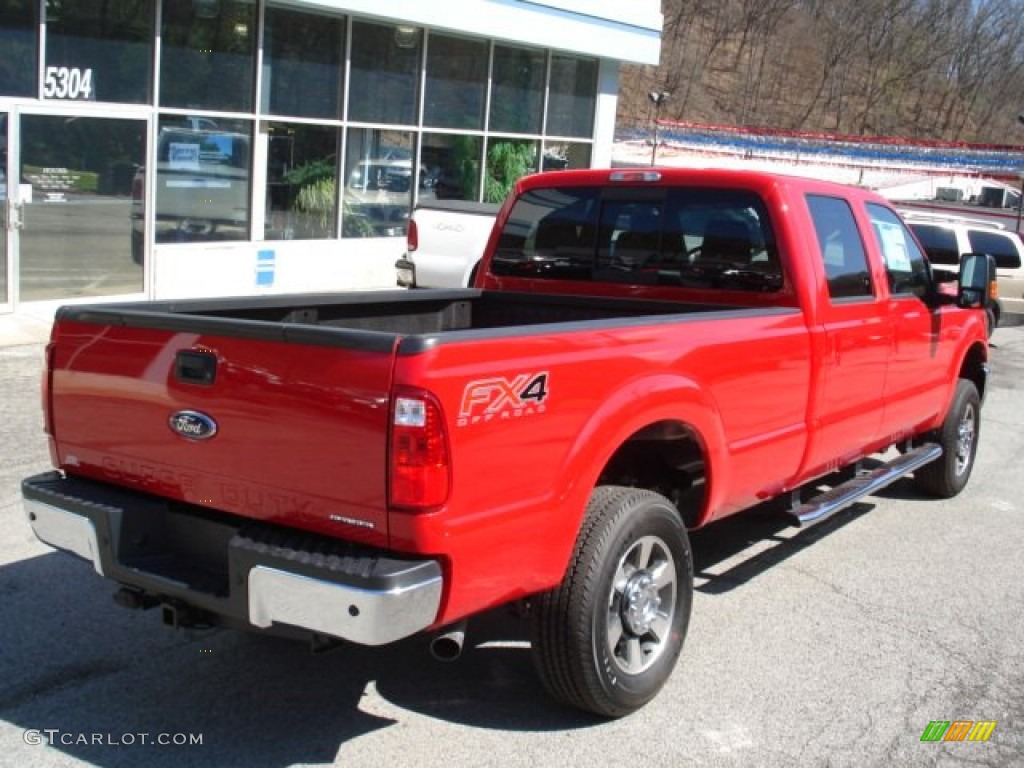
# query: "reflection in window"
{"points": [[302, 190], [508, 160], [905, 264], [3, 207], [304, 59], [98, 51], [564, 155], [19, 21], [572, 97], [207, 54], [202, 182], [385, 73], [78, 219], [378, 186], [450, 167], [456, 83], [517, 90], [841, 249]]}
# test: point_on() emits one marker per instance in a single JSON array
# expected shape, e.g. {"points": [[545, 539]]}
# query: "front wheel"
{"points": [[608, 637], [946, 476]]}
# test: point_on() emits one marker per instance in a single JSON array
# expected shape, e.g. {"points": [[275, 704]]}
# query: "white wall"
{"points": [[627, 31], [205, 270]]}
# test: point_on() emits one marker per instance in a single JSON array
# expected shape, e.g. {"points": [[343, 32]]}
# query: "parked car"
{"points": [[946, 238]]}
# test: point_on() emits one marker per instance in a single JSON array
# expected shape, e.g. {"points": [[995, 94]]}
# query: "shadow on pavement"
{"points": [[82, 665]]}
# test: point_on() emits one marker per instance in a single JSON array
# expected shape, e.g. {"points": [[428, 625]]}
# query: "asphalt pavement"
{"points": [[834, 646]]}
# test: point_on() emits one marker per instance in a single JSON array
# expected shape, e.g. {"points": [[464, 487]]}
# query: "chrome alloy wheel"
{"points": [[641, 605], [966, 432]]}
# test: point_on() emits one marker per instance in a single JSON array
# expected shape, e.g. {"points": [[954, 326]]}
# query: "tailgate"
{"points": [[267, 428]]}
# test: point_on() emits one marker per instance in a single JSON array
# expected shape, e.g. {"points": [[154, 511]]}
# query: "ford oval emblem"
{"points": [[193, 425]]}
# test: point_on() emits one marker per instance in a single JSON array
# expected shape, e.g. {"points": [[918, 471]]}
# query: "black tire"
{"points": [[608, 637], [946, 477]]}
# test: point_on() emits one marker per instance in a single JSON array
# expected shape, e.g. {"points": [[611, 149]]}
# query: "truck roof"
{"points": [[662, 176]]}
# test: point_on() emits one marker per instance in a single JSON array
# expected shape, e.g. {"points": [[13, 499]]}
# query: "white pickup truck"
{"points": [[444, 242]]}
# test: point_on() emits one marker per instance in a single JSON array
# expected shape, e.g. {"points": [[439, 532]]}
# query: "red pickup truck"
{"points": [[644, 352]]}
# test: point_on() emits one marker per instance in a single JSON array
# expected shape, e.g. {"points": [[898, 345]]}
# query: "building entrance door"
{"points": [[8, 219], [74, 175]]}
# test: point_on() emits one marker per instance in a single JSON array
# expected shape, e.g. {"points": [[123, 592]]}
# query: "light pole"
{"points": [[657, 98]]}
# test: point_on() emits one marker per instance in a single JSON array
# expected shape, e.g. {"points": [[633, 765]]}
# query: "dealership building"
{"points": [[162, 149]]}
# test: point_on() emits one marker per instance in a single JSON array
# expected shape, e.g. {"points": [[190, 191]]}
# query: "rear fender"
{"points": [[638, 404]]}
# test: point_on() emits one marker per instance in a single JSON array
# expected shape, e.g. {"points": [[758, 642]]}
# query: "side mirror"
{"points": [[977, 284]]}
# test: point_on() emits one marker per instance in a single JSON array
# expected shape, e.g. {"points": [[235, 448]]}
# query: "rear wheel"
{"points": [[947, 475], [608, 637]]}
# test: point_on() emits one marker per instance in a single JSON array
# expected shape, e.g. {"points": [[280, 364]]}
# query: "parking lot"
{"points": [[836, 645]]}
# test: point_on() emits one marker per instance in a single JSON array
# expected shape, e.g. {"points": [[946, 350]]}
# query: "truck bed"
{"points": [[372, 320]]}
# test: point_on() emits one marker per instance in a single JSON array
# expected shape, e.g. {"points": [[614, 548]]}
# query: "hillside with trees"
{"points": [[949, 70]]}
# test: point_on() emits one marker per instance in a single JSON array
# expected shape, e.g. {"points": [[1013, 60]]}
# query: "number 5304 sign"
{"points": [[68, 83]]}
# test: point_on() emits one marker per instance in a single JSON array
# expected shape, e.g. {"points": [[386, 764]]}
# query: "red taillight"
{"points": [[46, 389], [420, 474], [412, 237]]}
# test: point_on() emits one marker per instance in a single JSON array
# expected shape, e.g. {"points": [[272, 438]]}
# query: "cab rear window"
{"points": [[690, 237]]}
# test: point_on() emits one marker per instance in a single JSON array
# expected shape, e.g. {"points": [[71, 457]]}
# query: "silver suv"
{"points": [[946, 238]]}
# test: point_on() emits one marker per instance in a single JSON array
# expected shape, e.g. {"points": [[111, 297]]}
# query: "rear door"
{"points": [[856, 340]]}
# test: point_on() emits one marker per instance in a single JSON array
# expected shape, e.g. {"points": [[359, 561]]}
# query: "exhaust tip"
{"points": [[447, 646]]}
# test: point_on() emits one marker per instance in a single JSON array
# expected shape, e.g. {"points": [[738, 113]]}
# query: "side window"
{"points": [[938, 242], [905, 264], [997, 244], [841, 249]]}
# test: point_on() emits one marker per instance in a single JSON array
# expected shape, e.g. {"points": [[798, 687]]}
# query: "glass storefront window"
{"points": [[384, 79], [202, 179], [378, 186], [450, 167], [19, 23], [98, 51], [456, 83], [207, 54], [508, 160], [517, 90], [302, 188], [4, 298], [562, 155], [303, 64], [77, 213], [572, 97]]}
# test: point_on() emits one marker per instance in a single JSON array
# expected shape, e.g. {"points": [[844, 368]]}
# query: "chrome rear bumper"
{"points": [[228, 567]]}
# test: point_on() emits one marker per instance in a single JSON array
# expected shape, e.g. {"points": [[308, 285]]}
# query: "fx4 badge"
{"points": [[485, 400]]}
